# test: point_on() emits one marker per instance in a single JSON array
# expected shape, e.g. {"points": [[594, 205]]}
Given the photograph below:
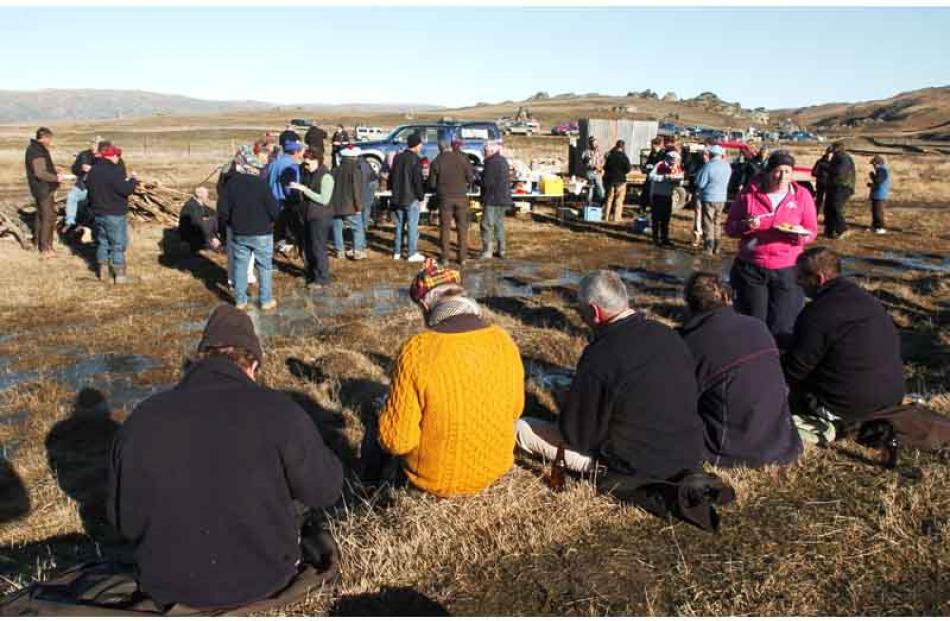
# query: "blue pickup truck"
{"points": [[474, 135]]}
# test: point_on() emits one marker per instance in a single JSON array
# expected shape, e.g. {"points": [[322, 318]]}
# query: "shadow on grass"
{"points": [[539, 317], [388, 602], [177, 254], [14, 499]]}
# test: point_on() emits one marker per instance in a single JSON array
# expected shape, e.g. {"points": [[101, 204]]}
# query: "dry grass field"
{"points": [[831, 535]]}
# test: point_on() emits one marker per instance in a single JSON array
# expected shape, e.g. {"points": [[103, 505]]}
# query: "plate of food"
{"points": [[794, 229]]}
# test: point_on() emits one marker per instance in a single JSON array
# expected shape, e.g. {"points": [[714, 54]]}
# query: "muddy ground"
{"points": [[831, 535]]}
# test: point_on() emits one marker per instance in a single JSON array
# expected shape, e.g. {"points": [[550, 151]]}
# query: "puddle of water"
{"points": [[548, 377], [893, 263]]}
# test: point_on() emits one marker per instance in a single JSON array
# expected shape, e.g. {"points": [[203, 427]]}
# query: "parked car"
{"points": [[524, 128], [363, 133], [474, 135], [301, 122], [568, 128]]}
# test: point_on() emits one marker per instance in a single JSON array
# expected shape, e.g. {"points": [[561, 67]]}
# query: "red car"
{"points": [[569, 128]]}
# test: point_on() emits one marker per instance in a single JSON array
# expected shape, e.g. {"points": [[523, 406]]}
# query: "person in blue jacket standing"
{"points": [[711, 185], [880, 185]]}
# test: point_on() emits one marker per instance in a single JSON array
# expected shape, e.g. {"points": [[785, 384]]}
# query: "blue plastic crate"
{"points": [[593, 214]]}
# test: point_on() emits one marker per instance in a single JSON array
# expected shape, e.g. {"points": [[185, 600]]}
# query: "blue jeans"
{"points": [[493, 222], [409, 215], [112, 235], [75, 196], [355, 222], [263, 248], [369, 203], [596, 192]]}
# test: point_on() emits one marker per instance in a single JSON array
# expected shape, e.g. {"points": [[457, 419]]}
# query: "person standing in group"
{"points": [[774, 218], [754, 167], [408, 191], [820, 172], [43, 180], [496, 199], [370, 186], [316, 186], [314, 139], [593, 160], [655, 157], [347, 203], [880, 185], [78, 193], [281, 173], [663, 179], [109, 192], [616, 167], [450, 175], [247, 210], [288, 135], [712, 185], [339, 140], [840, 189]]}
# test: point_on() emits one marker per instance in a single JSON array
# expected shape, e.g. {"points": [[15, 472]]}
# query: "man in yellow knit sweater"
{"points": [[456, 392]]}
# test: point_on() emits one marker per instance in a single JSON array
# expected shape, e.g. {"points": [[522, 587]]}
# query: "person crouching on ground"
{"points": [[880, 185], [763, 273], [632, 404], [247, 210], [198, 222], [347, 203], [205, 478], [109, 192], [844, 360], [316, 186], [456, 391], [663, 179], [743, 400], [78, 193]]}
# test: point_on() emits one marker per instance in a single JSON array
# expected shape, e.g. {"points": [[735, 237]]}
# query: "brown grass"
{"points": [[831, 535]]}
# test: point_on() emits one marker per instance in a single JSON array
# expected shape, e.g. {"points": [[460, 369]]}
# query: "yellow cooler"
{"points": [[551, 184]]}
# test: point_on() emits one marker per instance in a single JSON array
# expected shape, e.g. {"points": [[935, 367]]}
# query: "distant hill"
{"points": [[924, 113], [60, 105]]}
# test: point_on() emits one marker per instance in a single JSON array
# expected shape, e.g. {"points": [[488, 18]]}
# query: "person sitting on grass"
{"points": [[456, 391], [743, 400], [198, 222], [844, 360], [632, 404], [207, 480]]}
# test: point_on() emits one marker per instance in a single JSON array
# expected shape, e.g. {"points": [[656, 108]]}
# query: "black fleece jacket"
{"points": [[743, 401], [247, 206], [405, 179], [846, 351], [633, 401], [109, 190], [203, 481]]}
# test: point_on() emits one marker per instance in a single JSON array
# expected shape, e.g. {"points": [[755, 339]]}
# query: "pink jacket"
{"points": [[766, 246]]}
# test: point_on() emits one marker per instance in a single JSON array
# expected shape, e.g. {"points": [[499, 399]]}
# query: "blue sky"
{"points": [[458, 56]]}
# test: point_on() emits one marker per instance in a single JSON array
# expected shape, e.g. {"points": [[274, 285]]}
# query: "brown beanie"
{"points": [[229, 327]]}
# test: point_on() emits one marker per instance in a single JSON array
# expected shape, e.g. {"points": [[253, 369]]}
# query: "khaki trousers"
{"points": [[616, 193]]}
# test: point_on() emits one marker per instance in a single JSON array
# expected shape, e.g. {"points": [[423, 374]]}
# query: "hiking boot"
{"points": [[102, 271], [667, 244], [120, 277], [270, 305]]}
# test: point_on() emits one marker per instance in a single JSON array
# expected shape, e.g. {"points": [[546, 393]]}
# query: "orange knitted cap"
{"points": [[431, 276]]}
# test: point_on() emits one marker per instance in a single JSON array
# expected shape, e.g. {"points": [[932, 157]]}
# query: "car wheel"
{"points": [[375, 164], [679, 197]]}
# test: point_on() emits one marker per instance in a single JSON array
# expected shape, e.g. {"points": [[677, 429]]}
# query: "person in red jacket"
{"points": [[773, 218]]}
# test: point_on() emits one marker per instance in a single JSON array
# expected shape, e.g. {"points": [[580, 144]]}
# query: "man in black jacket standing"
{"points": [[820, 171], [743, 401], [840, 188], [496, 199], [109, 192], [450, 175], [845, 358], [204, 477], [616, 167], [632, 404], [43, 180], [247, 210], [408, 192]]}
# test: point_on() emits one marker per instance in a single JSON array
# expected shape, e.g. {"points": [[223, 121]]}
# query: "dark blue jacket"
{"points": [[109, 190], [742, 394], [496, 184]]}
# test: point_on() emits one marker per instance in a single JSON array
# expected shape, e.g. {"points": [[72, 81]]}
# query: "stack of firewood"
{"points": [[152, 202]]}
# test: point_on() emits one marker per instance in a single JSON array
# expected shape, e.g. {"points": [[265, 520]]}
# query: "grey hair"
{"points": [[201, 190], [605, 289]]}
